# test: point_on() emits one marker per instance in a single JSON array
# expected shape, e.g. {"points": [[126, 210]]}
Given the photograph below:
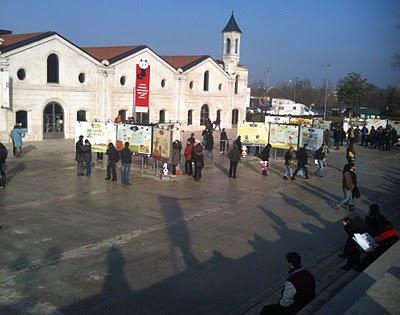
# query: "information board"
{"points": [[313, 137], [162, 141], [99, 134], [253, 133], [138, 136], [283, 136]]}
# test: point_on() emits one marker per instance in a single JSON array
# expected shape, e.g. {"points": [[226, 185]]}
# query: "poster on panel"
{"points": [[138, 136], [253, 133], [375, 122], [142, 89], [99, 134], [277, 119], [283, 136], [176, 129], [162, 143], [395, 124], [302, 121], [319, 123], [313, 137]]}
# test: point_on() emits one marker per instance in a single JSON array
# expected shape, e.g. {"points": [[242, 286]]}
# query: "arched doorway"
{"points": [[204, 114], [235, 116], [53, 121]]}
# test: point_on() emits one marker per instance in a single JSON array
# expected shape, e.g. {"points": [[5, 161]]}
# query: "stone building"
{"points": [[47, 83]]}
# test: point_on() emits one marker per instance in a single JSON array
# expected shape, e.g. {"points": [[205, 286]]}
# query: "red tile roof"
{"points": [[184, 61], [101, 53], [10, 39]]}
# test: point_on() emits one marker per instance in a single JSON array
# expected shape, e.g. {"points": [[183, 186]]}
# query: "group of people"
{"points": [[83, 157]]}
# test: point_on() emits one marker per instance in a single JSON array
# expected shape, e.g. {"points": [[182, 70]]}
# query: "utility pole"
{"points": [[326, 88]]}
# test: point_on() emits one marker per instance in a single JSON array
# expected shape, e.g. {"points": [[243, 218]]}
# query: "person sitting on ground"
{"points": [[299, 289], [382, 230]]}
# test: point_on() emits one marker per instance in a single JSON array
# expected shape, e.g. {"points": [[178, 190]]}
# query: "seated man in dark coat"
{"points": [[299, 289]]}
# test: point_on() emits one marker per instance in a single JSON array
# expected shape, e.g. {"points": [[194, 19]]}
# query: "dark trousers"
{"points": [[88, 167], [364, 140], [99, 156], [222, 145], [232, 168], [188, 167], [111, 170], [3, 179], [197, 173], [275, 309], [299, 167], [173, 169]]}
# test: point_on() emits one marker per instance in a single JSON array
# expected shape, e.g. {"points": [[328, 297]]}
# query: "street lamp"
{"points": [[326, 87], [294, 81], [266, 76], [180, 71]]}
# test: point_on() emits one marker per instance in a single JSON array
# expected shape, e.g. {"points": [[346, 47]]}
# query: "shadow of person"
{"points": [[19, 168], [28, 149]]}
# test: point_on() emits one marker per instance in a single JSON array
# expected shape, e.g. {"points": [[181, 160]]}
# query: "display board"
{"points": [[395, 124], [162, 141], [319, 123], [283, 136], [176, 130], [253, 133], [99, 134], [376, 123], [277, 119], [313, 137], [138, 136], [307, 122]]}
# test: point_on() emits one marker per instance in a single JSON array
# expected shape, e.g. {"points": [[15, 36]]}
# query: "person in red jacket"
{"points": [[188, 157], [299, 289]]}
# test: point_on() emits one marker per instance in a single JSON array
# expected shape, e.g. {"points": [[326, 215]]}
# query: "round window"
{"points": [[122, 80], [220, 86], [191, 85], [21, 74], [163, 83], [81, 77]]}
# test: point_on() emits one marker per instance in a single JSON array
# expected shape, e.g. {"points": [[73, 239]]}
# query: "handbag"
{"points": [[356, 192]]}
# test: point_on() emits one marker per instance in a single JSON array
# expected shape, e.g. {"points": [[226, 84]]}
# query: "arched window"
{"points": [[52, 69], [236, 84], [162, 116], [81, 115], [122, 112], [21, 118], [235, 116], [228, 46], [190, 117], [236, 46], [206, 81], [204, 114]]}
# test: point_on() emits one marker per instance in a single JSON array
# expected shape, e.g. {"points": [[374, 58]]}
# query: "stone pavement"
{"points": [[80, 245]]}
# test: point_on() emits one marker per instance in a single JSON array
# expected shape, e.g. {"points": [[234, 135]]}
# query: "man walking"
{"points": [[16, 135], [319, 156], [126, 160], [234, 157], [299, 289], [302, 161], [79, 156]]}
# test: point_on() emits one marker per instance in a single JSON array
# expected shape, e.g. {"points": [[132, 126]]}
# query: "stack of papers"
{"points": [[366, 242]]}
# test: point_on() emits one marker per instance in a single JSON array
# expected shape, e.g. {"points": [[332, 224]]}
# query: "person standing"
{"points": [[3, 157], [176, 155], [327, 139], [191, 139], [222, 141], [79, 156], [299, 289], [319, 156], [198, 159], [356, 135], [350, 154], [302, 161], [16, 135], [234, 157], [265, 154], [364, 136], [336, 137], [209, 143], [188, 158], [288, 163], [87, 156], [113, 158], [239, 144], [349, 182], [350, 135], [342, 136], [217, 123], [126, 161], [371, 137]]}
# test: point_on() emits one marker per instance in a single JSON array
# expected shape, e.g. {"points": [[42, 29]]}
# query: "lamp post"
{"points": [[294, 81], [266, 76], [326, 88], [180, 71]]}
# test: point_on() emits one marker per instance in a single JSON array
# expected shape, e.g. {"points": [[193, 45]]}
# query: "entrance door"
{"points": [[235, 116], [53, 121]]}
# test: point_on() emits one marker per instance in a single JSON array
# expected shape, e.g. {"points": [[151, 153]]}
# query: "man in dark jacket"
{"points": [[87, 154], [302, 161], [222, 141], [234, 157], [126, 160], [264, 155], [113, 157], [3, 157], [198, 159], [79, 156], [209, 143], [319, 156], [299, 289]]}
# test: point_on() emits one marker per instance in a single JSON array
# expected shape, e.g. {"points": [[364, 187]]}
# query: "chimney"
{"points": [[5, 32]]}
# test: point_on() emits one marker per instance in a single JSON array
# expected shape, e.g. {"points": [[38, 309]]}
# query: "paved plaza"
{"points": [[83, 245]]}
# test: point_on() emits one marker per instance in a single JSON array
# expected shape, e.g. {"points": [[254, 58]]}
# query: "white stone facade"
{"points": [[101, 95]]}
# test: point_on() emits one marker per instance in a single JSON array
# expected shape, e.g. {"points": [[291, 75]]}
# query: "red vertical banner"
{"points": [[142, 91]]}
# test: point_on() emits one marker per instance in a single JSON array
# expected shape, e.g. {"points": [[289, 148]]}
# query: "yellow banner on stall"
{"points": [[253, 133], [284, 136], [302, 121]]}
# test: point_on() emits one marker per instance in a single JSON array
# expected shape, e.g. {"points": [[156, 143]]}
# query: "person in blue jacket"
{"points": [[16, 135]]}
